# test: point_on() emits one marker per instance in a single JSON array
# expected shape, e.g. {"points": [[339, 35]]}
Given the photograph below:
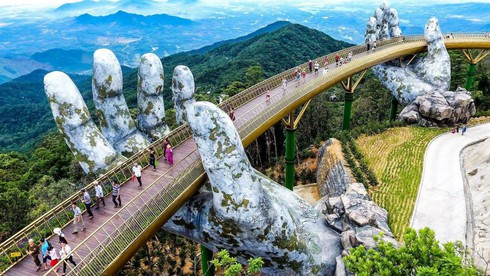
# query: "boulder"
{"points": [[448, 108]]}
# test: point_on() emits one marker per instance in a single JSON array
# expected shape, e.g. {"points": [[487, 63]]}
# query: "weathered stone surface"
{"points": [[340, 270], [115, 120], [331, 176], [440, 109], [91, 149], [151, 110], [383, 24], [425, 75], [183, 91], [247, 213]]}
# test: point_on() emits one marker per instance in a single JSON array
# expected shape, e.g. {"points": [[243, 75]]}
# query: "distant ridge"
{"points": [[123, 18], [267, 29]]}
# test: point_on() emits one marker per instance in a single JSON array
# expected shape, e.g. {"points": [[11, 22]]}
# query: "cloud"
{"points": [[455, 16]]}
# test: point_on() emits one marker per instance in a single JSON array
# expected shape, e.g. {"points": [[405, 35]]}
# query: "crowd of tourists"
{"points": [[51, 256]]}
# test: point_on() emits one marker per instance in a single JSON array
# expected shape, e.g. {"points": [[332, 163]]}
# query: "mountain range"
{"points": [[26, 116], [131, 28]]}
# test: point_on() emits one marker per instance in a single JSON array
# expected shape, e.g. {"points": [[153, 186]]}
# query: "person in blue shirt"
{"points": [[45, 251]]}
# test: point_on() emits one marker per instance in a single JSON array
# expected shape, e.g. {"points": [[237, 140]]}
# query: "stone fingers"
{"points": [[183, 91], [113, 113], [91, 149], [151, 110], [435, 68]]}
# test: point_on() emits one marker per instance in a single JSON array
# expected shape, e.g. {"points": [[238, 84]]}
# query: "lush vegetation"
{"points": [[42, 172], [229, 266], [421, 254]]}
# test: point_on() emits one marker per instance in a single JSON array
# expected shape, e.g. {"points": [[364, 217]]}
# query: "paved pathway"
{"points": [[440, 202]]}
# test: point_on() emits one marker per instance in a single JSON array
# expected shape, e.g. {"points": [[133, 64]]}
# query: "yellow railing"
{"points": [[251, 121]]}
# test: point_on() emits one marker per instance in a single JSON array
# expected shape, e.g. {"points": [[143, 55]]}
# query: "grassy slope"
{"points": [[396, 157]]}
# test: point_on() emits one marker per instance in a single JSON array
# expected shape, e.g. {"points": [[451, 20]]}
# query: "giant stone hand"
{"points": [[97, 151], [245, 212], [423, 85]]}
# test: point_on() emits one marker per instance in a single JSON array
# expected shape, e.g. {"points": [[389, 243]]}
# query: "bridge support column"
{"points": [[349, 87], [291, 125], [393, 108], [290, 146], [206, 257], [473, 61], [471, 76], [348, 99]]}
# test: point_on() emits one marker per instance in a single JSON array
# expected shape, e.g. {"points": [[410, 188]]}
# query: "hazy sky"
{"points": [[55, 3]]}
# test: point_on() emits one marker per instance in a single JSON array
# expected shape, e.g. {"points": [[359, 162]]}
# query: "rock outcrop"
{"points": [[331, 176], [440, 109], [475, 161]]}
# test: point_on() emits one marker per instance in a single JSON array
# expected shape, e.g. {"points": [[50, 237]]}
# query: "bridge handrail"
{"points": [[44, 224], [86, 266], [158, 197]]}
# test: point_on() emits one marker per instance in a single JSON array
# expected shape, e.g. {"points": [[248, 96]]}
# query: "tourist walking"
{"points": [[33, 250], [374, 45], [325, 61], [267, 97], [368, 45], [337, 59], [231, 114], [303, 74], [298, 76], [45, 248], [60, 234], [152, 158], [284, 84], [54, 258], [349, 56], [137, 172], [116, 194], [310, 65], [457, 128], [317, 66], [463, 130], [65, 255], [77, 218], [165, 144], [170, 155], [87, 200], [99, 194]]}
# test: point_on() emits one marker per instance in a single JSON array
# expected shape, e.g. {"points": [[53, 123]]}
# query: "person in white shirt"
{"points": [[137, 172], [77, 218], [99, 194], [54, 258], [65, 254]]}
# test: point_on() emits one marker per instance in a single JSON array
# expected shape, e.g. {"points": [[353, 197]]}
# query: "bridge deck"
{"points": [[184, 154], [130, 189]]}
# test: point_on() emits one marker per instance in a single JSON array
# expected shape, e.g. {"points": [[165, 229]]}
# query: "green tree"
{"points": [[231, 267], [420, 255], [253, 75], [15, 204]]}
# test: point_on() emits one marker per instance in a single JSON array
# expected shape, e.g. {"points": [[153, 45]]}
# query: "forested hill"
{"points": [[25, 117], [274, 52]]}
